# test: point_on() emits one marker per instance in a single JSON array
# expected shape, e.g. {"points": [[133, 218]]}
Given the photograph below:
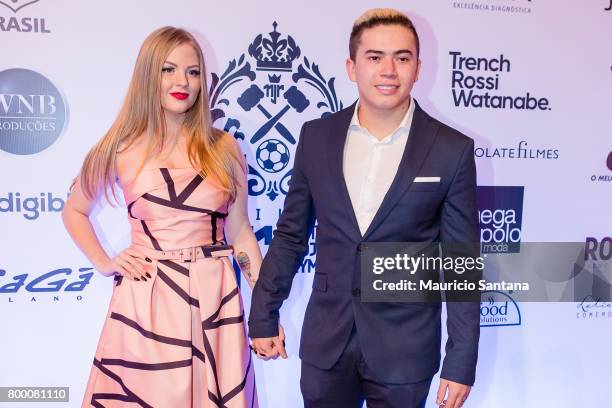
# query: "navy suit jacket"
{"points": [[400, 342]]}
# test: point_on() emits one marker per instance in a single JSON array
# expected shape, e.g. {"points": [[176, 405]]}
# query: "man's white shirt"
{"points": [[369, 165]]}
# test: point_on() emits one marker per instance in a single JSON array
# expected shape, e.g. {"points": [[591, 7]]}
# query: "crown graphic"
{"points": [[274, 79], [274, 53]]}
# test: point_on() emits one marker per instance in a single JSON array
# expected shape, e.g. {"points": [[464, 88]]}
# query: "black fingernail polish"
{"points": [[136, 279], [148, 276], [283, 343], [148, 259], [144, 279]]}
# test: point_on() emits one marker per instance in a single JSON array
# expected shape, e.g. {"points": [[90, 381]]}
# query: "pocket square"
{"points": [[427, 179]]}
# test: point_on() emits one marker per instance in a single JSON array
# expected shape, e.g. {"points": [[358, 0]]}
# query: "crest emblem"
{"points": [[16, 5], [267, 87]]}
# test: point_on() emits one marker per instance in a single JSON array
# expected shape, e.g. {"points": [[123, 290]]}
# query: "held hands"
{"points": [[127, 263], [457, 394], [270, 347]]}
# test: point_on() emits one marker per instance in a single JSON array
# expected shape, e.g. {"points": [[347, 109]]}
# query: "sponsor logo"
{"points": [[265, 233], [476, 81], [31, 207], [605, 178], [61, 281], [498, 309], [261, 98], [598, 250], [500, 215], [592, 308], [597, 257], [521, 151], [309, 261], [495, 6], [33, 113], [27, 24]]}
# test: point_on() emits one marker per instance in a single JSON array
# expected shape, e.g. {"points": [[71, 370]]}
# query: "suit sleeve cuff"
{"points": [[457, 376], [260, 330]]}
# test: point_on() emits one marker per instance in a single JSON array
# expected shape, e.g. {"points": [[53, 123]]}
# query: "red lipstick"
{"points": [[180, 95]]}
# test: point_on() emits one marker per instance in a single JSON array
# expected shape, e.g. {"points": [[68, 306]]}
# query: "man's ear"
{"points": [[350, 69]]}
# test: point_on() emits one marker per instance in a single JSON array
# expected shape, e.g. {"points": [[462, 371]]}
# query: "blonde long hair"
{"points": [[209, 151]]}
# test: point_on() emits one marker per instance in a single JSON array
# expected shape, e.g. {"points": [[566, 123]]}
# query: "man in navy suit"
{"points": [[381, 170]]}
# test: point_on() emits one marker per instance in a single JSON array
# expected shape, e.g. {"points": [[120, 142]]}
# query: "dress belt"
{"points": [[186, 254]]}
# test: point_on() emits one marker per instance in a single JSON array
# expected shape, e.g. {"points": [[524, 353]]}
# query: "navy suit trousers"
{"points": [[349, 382]]}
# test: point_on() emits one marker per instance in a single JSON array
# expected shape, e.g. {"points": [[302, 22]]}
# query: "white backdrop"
{"points": [[557, 49]]}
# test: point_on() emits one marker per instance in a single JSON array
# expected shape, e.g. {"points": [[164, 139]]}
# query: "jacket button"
{"points": [[356, 292], [361, 247]]}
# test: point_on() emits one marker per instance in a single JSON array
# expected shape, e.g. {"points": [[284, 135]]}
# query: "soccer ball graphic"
{"points": [[272, 155]]}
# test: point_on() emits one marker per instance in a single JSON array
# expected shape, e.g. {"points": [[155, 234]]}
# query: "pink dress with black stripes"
{"points": [[178, 339]]}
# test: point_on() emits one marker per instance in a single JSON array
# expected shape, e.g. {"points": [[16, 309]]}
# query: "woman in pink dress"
{"points": [[174, 335]]}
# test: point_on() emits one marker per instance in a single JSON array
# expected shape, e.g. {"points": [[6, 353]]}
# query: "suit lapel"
{"points": [[335, 155], [420, 139]]}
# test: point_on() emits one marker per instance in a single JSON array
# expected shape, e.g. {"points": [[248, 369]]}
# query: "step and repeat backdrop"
{"points": [[529, 80]]}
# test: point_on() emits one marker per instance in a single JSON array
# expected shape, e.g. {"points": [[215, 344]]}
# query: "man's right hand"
{"points": [[270, 347]]}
